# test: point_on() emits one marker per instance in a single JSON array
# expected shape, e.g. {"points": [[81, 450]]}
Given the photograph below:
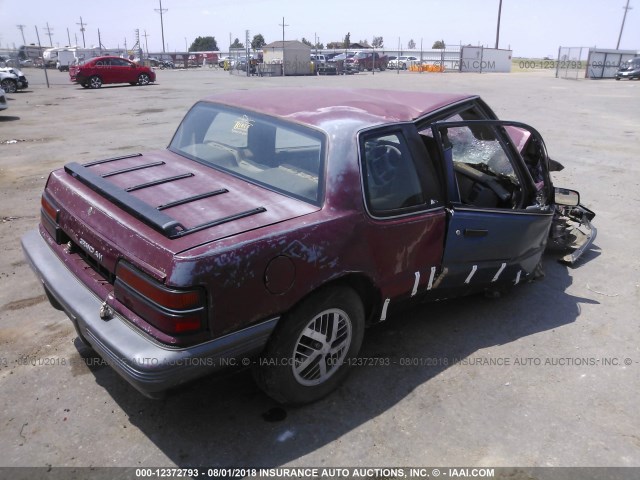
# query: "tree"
{"points": [[258, 42], [237, 44], [335, 45], [319, 46], [439, 44], [307, 42], [377, 42], [346, 43], [204, 44], [411, 45]]}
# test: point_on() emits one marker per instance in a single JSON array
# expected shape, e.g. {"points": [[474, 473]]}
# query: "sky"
{"points": [[530, 28]]}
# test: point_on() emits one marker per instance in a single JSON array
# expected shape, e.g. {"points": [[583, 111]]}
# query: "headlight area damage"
{"points": [[571, 230]]}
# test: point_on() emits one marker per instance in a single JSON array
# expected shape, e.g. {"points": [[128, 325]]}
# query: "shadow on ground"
{"points": [[229, 422]]}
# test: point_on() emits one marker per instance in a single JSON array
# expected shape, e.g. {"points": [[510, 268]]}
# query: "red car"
{"points": [[279, 223], [102, 70]]}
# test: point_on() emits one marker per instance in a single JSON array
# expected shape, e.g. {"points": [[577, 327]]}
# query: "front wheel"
{"points": [[144, 79], [9, 85], [308, 355]]}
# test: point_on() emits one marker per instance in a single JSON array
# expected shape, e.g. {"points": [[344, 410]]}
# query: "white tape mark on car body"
{"points": [[415, 284], [383, 316], [473, 272], [495, 278], [431, 277], [517, 277]]}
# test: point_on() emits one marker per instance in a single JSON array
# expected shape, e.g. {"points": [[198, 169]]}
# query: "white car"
{"points": [[8, 82], [3, 100], [12, 79], [403, 62]]}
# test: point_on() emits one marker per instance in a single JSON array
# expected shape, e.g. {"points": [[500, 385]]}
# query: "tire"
{"points": [[9, 85], [95, 82], [323, 332], [143, 79]]}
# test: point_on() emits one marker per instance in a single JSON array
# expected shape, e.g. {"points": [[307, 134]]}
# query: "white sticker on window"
{"points": [[242, 125]]}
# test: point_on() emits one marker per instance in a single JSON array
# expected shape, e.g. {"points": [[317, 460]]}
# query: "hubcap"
{"points": [[322, 347], [9, 87], [144, 80]]}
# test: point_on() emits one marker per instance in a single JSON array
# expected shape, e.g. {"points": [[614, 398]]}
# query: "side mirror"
{"points": [[566, 197]]}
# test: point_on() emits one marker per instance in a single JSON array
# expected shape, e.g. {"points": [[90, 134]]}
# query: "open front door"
{"points": [[499, 202]]}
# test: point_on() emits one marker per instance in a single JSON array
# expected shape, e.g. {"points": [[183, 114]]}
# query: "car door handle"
{"points": [[474, 232]]}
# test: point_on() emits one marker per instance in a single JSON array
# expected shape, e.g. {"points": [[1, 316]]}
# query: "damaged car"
{"points": [[275, 228]]}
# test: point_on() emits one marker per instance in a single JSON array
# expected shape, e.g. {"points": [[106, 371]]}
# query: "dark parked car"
{"points": [[275, 228], [629, 69], [366, 61], [161, 64], [104, 70]]}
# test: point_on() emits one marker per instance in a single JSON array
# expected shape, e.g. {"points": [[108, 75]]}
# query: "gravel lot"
{"points": [[565, 392]]}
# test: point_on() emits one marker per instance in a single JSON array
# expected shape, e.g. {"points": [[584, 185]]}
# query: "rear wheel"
{"points": [[307, 357], [9, 85], [95, 82], [143, 79]]}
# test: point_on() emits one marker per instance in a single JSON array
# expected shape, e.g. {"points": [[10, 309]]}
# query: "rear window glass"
{"points": [[284, 157]]}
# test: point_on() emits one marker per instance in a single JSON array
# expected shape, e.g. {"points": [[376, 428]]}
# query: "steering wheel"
{"points": [[383, 163]]}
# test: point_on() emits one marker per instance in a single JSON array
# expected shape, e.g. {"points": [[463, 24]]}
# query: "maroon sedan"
{"points": [[278, 224], [104, 70]]}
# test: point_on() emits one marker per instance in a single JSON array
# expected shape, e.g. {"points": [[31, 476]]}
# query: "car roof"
{"points": [[320, 106], [108, 56]]}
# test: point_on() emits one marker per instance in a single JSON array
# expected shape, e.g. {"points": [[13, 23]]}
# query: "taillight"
{"points": [[50, 215], [172, 311]]}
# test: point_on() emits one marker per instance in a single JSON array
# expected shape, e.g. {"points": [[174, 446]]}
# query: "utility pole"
{"points": [[68, 37], [146, 44], [161, 11], [498, 27], [283, 25], [626, 9], [21, 28], [82, 29], [49, 33], [99, 42], [46, 75]]}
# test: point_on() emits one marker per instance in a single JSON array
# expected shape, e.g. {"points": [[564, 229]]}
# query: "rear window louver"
{"points": [[152, 216]]}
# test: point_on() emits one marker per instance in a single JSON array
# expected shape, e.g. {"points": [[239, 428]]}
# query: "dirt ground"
{"points": [[565, 392]]}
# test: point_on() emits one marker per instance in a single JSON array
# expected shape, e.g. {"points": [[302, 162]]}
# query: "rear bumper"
{"points": [[149, 366]]}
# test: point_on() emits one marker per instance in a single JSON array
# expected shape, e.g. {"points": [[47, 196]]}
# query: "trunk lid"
{"points": [[148, 208]]}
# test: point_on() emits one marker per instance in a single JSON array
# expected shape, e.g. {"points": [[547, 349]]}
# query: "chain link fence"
{"points": [[572, 62]]}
